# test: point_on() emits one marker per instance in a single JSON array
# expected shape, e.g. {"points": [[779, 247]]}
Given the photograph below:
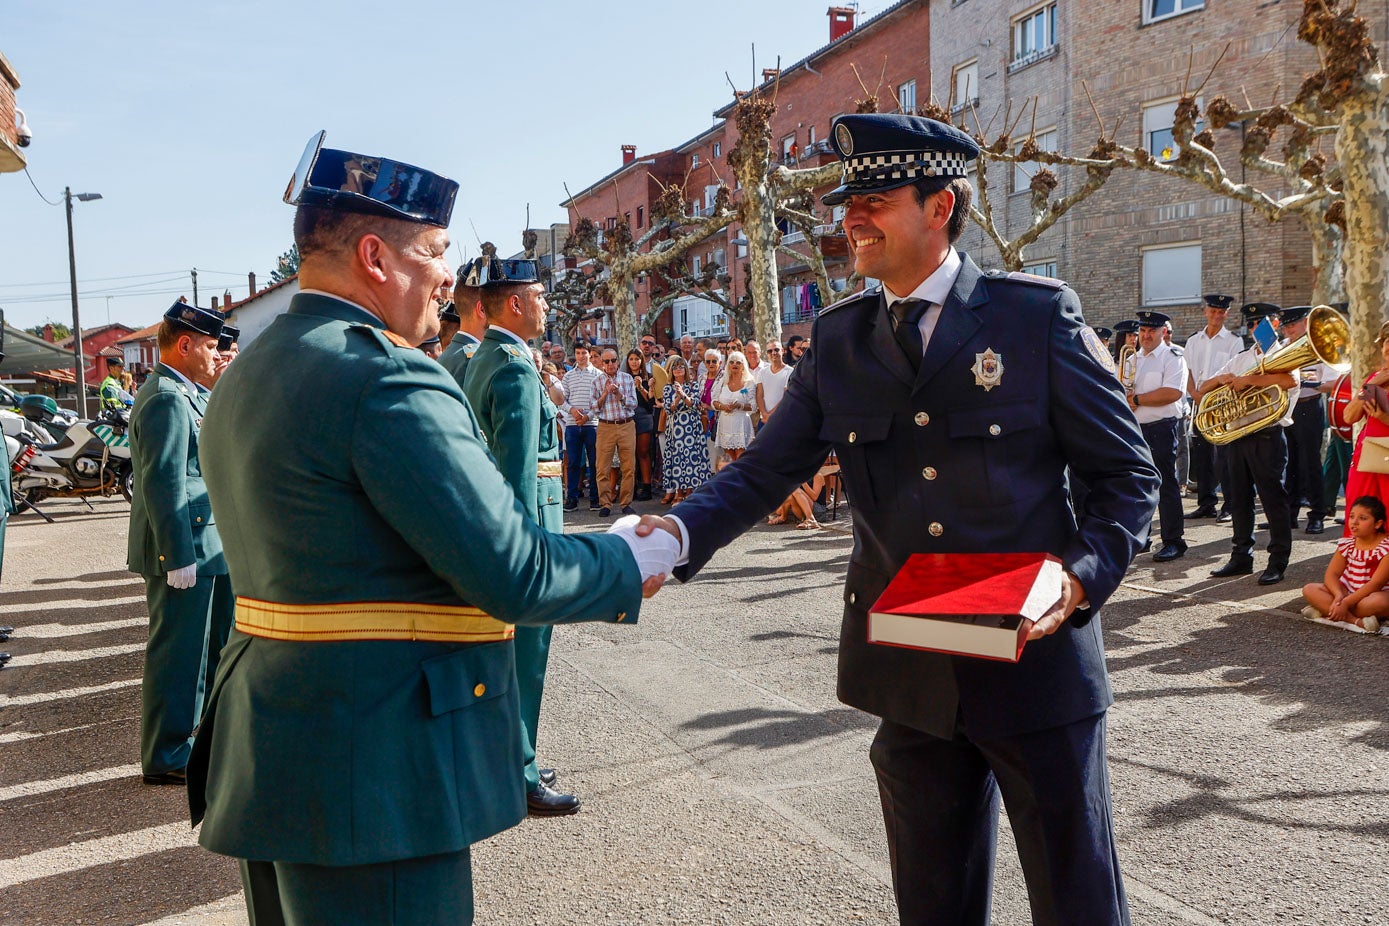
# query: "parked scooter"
{"points": [[91, 458]]}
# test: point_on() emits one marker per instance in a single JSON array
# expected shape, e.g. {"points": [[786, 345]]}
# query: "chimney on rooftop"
{"points": [[251, 279], [214, 303], [770, 74], [841, 22], [629, 153], [48, 332], [227, 300]]}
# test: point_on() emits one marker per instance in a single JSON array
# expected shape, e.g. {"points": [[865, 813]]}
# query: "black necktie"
{"points": [[906, 319]]}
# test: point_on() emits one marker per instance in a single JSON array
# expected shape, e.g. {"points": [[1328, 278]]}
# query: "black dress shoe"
{"points": [[547, 776], [1204, 512], [174, 777], [628, 509], [1169, 552], [1272, 575], [543, 802], [604, 511], [1224, 518], [570, 504], [1234, 568], [1316, 526]]}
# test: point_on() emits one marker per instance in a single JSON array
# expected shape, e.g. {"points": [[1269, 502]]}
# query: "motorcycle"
{"points": [[90, 458]]}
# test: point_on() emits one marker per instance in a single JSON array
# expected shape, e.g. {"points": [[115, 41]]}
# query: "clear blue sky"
{"points": [[189, 118]]}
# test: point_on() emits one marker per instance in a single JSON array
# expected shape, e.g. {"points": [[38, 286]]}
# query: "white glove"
{"points": [[183, 576], [655, 553]]}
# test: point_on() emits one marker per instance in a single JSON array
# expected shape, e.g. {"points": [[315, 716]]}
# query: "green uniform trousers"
{"points": [[1335, 469], [188, 628], [532, 656], [435, 890]]}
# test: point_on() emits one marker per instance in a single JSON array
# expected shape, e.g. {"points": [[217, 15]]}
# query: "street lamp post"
{"points": [[77, 364]]}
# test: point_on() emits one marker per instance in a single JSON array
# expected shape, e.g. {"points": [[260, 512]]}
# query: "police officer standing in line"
{"points": [[1255, 462], [1207, 351], [1156, 400], [472, 325], [364, 730], [1303, 479], [955, 400], [517, 416], [174, 543], [112, 386]]}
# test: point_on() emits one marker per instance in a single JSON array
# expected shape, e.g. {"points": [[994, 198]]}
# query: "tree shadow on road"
{"points": [[1314, 670], [762, 728]]}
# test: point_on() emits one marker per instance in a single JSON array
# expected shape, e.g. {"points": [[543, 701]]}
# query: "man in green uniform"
{"points": [[472, 325], [174, 543], [517, 417], [364, 730], [112, 386]]}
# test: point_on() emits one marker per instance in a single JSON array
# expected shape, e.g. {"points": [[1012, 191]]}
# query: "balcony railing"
{"points": [[1032, 57]]}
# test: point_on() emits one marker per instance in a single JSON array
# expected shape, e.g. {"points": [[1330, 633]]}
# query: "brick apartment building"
{"points": [[890, 48], [1142, 240], [11, 158]]}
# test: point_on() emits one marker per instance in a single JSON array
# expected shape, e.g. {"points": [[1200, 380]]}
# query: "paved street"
{"points": [[722, 781]]}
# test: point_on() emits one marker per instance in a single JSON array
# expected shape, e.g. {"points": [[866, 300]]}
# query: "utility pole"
{"points": [[78, 371], [194, 272]]}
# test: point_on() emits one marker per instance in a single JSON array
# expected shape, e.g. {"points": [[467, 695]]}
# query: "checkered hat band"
{"points": [[905, 166]]}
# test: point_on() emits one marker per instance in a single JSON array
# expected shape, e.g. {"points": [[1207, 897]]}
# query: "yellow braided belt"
{"points": [[368, 620]]}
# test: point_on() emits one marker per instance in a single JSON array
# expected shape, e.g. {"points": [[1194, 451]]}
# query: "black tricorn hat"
{"points": [[192, 318]]}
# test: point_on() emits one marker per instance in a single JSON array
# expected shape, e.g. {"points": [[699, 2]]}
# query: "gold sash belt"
{"points": [[546, 470], [369, 620]]}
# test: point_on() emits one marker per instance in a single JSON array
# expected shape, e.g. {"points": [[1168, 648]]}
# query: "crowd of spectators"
{"points": [[658, 422]]}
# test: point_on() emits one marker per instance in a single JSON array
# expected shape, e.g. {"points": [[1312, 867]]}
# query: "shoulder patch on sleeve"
{"points": [[1096, 347]]}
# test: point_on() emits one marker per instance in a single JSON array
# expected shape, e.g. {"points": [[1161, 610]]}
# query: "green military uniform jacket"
{"points": [[352, 476], [456, 356], [171, 521], [517, 415]]}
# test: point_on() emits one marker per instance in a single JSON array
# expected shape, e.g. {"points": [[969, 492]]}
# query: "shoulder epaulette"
{"points": [[383, 334], [517, 351], [852, 300], [1017, 276]]}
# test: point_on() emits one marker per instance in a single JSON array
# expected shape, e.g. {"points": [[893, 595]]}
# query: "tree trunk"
{"points": [[623, 293], [1362, 147], [1328, 260], [759, 227]]}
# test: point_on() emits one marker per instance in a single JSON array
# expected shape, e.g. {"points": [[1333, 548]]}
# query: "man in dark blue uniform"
{"points": [[1303, 478], [1255, 461], [956, 400]]}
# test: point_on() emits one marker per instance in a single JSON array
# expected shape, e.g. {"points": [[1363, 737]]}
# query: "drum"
{"points": [[1340, 398]]}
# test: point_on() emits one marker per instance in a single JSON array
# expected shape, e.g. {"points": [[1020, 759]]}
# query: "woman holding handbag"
{"points": [[1369, 466]]}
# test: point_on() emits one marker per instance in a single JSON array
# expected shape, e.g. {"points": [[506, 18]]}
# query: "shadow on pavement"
{"points": [[769, 729]]}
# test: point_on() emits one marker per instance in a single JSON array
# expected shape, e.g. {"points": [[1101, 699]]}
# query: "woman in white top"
{"points": [[734, 398]]}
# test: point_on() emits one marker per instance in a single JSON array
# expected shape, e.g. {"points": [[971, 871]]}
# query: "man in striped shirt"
{"points": [[616, 397], [580, 428]]}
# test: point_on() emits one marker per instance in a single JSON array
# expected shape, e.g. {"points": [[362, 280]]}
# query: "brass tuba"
{"points": [[1226, 414], [1127, 367]]}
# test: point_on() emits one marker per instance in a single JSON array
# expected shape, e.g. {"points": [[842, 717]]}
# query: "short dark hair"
{"points": [[927, 187], [1372, 504], [320, 231], [169, 333], [495, 298]]}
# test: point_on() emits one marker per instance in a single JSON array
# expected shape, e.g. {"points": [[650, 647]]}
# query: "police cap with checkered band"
{"points": [[884, 151]]}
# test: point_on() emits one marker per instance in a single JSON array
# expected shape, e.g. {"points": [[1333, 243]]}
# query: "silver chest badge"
{"points": [[987, 369]]}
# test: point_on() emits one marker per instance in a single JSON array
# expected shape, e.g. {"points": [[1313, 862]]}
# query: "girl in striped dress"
{"points": [[1353, 590]]}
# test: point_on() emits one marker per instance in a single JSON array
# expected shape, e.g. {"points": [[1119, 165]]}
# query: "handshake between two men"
{"points": [[656, 545]]}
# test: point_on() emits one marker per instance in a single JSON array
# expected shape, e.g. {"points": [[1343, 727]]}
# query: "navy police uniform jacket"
{"points": [[935, 463]]}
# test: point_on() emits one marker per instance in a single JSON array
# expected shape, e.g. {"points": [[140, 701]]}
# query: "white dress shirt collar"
{"points": [[935, 289], [510, 334]]}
